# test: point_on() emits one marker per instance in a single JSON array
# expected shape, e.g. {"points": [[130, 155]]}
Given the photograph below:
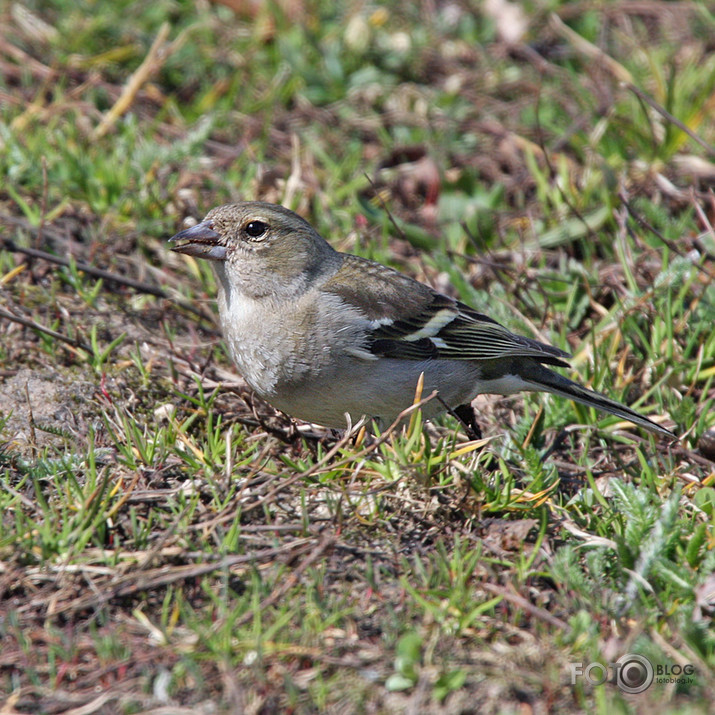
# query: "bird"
{"points": [[329, 337]]}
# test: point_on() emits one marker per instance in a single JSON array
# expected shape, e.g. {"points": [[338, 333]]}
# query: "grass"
{"points": [[170, 543]]}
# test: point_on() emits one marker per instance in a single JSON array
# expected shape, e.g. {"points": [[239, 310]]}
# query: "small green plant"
{"points": [[78, 280], [100, 354], [408, 655]]}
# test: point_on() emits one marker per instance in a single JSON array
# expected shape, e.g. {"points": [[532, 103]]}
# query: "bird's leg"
{"points": [[467, 417]]}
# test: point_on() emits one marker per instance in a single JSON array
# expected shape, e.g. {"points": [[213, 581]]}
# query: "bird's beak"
{"points": [[200, 241]]}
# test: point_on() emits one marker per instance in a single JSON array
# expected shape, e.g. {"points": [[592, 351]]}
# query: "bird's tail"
{"points": [[544, 380]]}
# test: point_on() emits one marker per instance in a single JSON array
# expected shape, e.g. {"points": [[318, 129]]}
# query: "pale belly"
{"points": [[379, 389]]}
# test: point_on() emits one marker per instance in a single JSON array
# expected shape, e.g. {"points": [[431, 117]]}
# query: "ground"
{"points": [[170, 543]]}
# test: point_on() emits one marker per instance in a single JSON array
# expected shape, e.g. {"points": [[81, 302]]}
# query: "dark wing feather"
{"points": [[474, 336], [414, 322]]}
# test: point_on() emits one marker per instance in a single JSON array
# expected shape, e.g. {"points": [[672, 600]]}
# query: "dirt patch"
{"points": [[41, 408]]}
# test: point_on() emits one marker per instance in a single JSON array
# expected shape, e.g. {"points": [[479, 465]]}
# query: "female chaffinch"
{"points": [[321, 334]]}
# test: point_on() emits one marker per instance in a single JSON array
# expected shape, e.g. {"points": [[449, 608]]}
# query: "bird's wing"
{"points": [[411, 321]]}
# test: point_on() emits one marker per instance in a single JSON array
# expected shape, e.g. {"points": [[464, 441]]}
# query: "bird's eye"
{"points": [[255, 229]]}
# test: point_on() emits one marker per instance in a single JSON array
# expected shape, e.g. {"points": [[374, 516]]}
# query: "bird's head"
{"points": [[262, 247]]}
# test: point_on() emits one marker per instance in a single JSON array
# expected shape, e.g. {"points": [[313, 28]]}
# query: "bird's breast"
{"points": [[254, 336]]}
